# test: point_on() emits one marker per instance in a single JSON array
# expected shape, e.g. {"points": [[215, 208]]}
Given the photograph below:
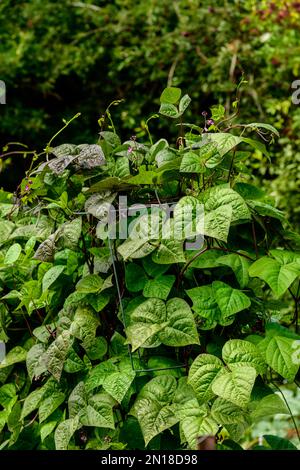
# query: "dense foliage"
{"points": [[144, 341], [61, 56]]}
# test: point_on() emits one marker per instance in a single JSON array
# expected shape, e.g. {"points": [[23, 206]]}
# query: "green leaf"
{"points": [[154, 269], [95, 348], [217, 223], [69, 233], [98, 204], [84, 325], [98, 374], [235, 386], [169, 252], [230, 301], [262, 125], [159, 287], [278, 443], [194, 422], [204, 303], [15, 355], [222, 195], [139, 334], [48, 427], [49, 404], [187, 213], [237, 351], [32, 402], [117, 384], [135, 277], [56, 354], [112, 183], [269, 405], [12, 254], [51, 275], [184, 104], [98, 301], [266, 210], [277, 275], [46, 250], [217, 112], [6, 227], [98, 412], [207, 260], [33, 361], [202, 373], [73, 363], [191, 163], [226, 412], [281, 354], [153, 407], [257, 145], [170, 95], [224, 141], [240, 266], [64, 433], [181, 328], [169, 110], [147, 319], [285, 256], [90, 284], [275, 329], [137, 248]]}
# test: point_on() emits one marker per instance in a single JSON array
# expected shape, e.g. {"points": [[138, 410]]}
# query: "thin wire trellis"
{"points": [[182, 366]]}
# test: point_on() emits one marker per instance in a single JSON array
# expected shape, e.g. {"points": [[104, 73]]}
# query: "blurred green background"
{"points": [[58, 58]]}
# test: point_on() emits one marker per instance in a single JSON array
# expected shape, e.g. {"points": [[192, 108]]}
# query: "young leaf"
{"points": [[184, 104], [170, 95]]}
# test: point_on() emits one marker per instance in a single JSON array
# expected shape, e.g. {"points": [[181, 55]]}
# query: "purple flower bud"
{"points": [[130, 149], [27, 187], [210, 122], [30, 182], [204, 113]]}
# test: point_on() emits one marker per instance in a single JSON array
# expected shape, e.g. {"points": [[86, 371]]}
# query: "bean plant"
{"points": [[154, 339]]}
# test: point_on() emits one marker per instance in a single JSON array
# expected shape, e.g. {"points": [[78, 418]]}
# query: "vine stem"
{"points": [[254, 238], [288, 407]]}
